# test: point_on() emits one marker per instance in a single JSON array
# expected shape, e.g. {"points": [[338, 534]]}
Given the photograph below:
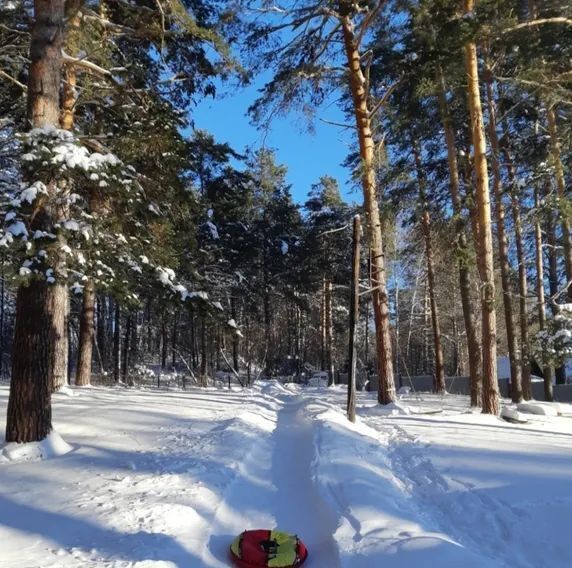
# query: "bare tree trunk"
{"points": [[439, 370], [522, 281], [560, 372], [515, 368], [203, 370], [561, 186], [354, 316], [163, 342], [329, 334], [85, 348], [101, 335], [174, 342], [473, 343], [235, 337], [117, 343], [323, 325], [126, 346], [546, 370], [386, 390], [491, 400], [36, 332]]}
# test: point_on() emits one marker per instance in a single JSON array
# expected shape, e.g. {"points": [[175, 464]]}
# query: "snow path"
{"points": [[304, 511], [275, 489]]}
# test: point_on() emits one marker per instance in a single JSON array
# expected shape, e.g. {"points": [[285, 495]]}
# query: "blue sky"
{"points": [[307, 155]]}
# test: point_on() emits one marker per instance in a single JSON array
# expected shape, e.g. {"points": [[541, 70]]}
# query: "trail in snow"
{"points": [[301, 509], [274, 489]]}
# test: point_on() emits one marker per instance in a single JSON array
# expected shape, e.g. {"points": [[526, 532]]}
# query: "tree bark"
{"points": [[354, 316], [36, 333], [515, 368], [541, 302], [386, 389], [117, 343], [463, 253], [329, 333], [86, 331], [491, 401], [439, 377], [553, 283], [235, 336], [522, 280], [561, 186], [126, 347]]}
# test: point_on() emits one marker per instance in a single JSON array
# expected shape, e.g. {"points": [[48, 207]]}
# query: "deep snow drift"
{"points": [[166, 479]]}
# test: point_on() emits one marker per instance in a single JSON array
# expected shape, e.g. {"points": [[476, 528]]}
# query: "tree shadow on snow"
{"points": [[74, 532]]}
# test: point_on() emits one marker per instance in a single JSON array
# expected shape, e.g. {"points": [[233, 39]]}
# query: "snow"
{"points": [[166, 479], [52, 446]]}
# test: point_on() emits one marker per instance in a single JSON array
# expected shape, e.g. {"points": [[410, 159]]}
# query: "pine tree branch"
{"points": [[384, 99], [542, 21], [367, 22], [13, 80]]}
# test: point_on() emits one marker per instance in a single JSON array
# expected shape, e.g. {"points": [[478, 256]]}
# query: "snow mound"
{"points": [[50, 447], [512, 415], [540, 408], [67, 391], [391, 409]]}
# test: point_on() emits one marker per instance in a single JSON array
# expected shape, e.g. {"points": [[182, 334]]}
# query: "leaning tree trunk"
{"points": [[561, 186], [491, 401], [37, 330], [440, 386], [515, 368], [463, 252], [386, 389], [541, 303]]}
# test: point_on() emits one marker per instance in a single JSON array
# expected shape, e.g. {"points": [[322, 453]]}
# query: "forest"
{"points": [[132, 240]]}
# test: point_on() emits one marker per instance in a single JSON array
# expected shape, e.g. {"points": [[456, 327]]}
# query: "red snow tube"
{"points": [[265, 548]]}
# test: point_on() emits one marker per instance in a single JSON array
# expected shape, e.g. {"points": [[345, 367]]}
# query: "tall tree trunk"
{"points": [[562, 198], [174, 342], [329, 334], [553, 283], [85, 347], [163, 342], [440, 385], [463, 252], [323, 325], [235, 336], [386, 389], [515, 368], [126, 346], [203, 371], [491, 400], [117, 343], [541, 303], [354, 317], [101, 334], [37, 330], [522, 280]]}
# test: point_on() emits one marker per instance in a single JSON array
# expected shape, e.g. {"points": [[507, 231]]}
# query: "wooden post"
{"points": [[354, 314]]}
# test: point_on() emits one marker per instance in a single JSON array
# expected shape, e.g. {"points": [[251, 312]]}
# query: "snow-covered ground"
{"points": [[166, 479]]}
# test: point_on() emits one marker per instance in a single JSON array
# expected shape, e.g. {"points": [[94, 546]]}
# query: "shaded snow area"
{"points": [[166, 479]]}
